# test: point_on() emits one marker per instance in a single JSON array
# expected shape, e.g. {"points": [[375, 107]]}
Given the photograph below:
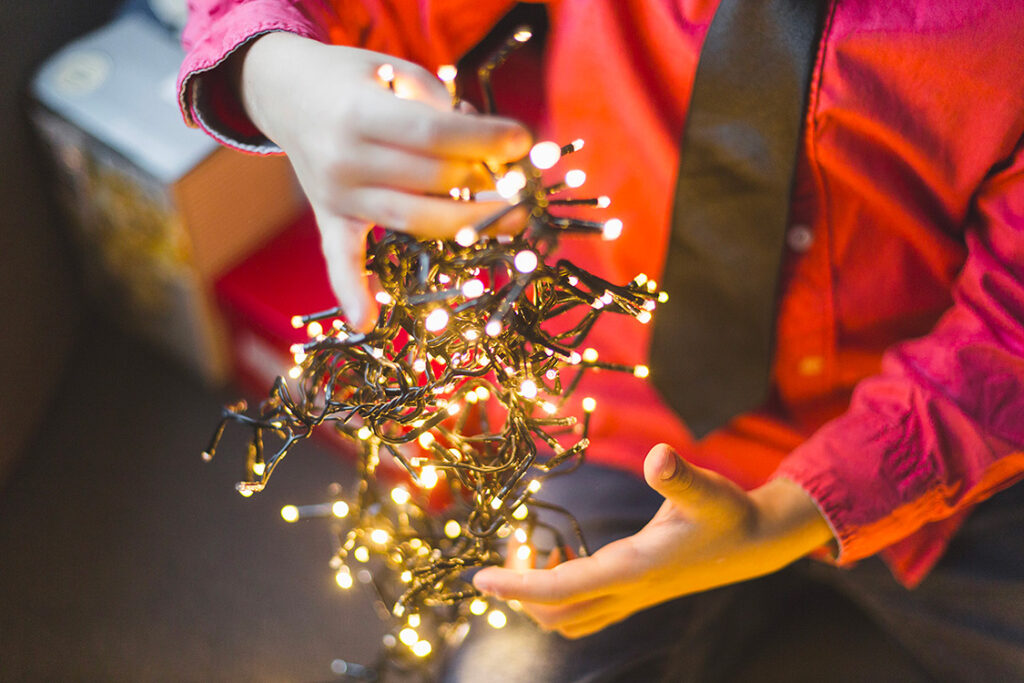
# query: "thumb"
{"points": [[343, 241], [690, 488]]}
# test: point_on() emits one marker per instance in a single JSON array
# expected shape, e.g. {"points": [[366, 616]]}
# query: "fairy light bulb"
{"points": [[477, 606], [522, 35], [364, 433], [533, 486], [523, 552], [343, 578], [290, 513], [644, 317], [339, 509], [528, 388], [520, 535], [428, 477], [577, 144], [525, 261], [497, 619], [295, 372], [510, 184], [641, 371], [400, 495], [437, 320], [521, 512], [493, 328], [452, 529], [414, 620], [386, 73], [589, 404], [426, 439], [482, 393], [471, 289], [297, 322], [575, 178], [409, 636], [314, 329], [603, 202], [422, 648], [258, 468], [383, 298], [466, 236], [545, 154], [612, 229], [380, 536], [361, 553], [589, 355]]}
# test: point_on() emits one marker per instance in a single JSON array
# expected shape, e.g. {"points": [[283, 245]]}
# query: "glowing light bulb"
{"points": [[297, 321], [447, 72], [509, 185], [452, 529], [453, 408], [590, 355], [428, 477], [497, 619], [644, 316], [380, 536], [465, 236], [603, 202], [386, 73], [533, 486], [245, 493], [525, 261], [482, 393], [361, 553], [521, 512], [400, 495], [641, 371], [290, 513], [495, 503], [471, 289], [478, 606], [405, 577], [523, 35], [471, 335], [419, 365], [409, 636], [437, 320], [426, 439], [641, 279], [339, 509], [589, 404], [575, 358], [258, 468], [364, 433], [612, 229], [652, 286], [575, 178], [520, 535], [414, 620], [422, 649], [551, 374], [649, 305], [493, 328], [662, 297], [577, 144], [295, 372], [314, 329], [343, 578], [383, 298], [549, 407], [545, 154], [528, 388], [523, 552]]}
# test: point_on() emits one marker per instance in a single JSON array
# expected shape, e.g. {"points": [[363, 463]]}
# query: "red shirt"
{"points": [[899, 373]]}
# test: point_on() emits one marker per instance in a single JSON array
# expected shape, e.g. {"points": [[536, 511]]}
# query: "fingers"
{"points": [[579, 579], [418, 127], [343, 242], [691, 488], [424, 216], [401, 169]]}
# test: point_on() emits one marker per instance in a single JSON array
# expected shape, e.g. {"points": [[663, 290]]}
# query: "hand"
{"points": [[706, 534], [366, 156]]}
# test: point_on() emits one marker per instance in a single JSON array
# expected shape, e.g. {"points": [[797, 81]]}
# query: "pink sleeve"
{"points": [[411, 29], [942, 426]]}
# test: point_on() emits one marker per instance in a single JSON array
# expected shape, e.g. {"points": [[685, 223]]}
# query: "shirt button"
{"points": [[800, 238], [809, 366]]}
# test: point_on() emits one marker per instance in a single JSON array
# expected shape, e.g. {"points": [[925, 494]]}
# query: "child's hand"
{"points": [[365, 155], [708, 533]]}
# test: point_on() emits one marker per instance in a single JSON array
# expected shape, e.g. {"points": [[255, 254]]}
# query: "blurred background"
{"points": [[147, 278]]}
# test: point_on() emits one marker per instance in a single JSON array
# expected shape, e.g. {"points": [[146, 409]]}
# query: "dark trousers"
{"points": [[965, 622]]}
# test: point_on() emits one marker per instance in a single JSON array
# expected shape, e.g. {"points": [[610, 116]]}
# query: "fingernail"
{"points": [[669, 466]]}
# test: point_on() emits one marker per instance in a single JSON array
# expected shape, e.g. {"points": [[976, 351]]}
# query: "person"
{"points": [[897, 398]]}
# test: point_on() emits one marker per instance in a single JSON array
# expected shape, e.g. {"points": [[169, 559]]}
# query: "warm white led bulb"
{"points": [[290, 513], [465, 236], [528, 388], [471, 289], [575, 178], [545, 154], [612, 229], [493, 328], [447, 72], [400, 495], [339, 509], [589, 404], [509, 185], [525, 261], [437, 320]]}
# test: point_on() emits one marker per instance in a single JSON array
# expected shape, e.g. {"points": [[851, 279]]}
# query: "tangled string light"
{"points": [[456, 403]]}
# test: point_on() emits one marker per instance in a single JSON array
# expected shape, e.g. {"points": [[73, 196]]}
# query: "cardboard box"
{"points": [[159, 210]]}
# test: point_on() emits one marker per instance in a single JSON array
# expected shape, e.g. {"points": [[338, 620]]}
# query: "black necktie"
{"points": [[712, 342]]}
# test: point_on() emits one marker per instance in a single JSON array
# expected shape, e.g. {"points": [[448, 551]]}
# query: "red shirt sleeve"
{"points": [[428, 33], [942, 426]]}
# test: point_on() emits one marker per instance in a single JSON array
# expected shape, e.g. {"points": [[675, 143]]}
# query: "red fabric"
{"points": [[899, 374]]}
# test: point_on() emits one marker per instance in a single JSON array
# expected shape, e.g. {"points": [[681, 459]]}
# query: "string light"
{"points": [[448, 423]]}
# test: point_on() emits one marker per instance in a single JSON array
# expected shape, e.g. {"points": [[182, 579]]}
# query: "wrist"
{"points": [[790, 525]]}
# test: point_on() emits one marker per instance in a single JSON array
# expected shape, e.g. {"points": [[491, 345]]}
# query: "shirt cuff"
{"points": [[206, 99]]}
